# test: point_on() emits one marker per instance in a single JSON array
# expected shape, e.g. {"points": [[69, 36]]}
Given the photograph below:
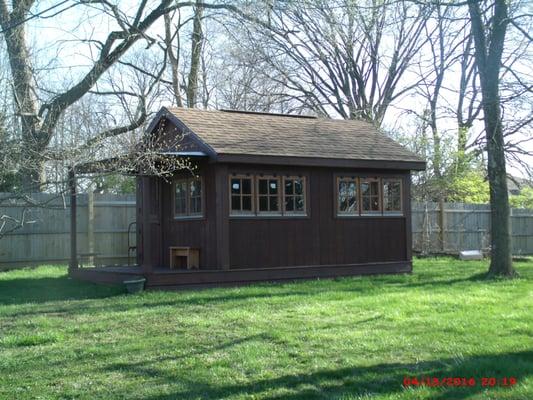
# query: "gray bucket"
{"points": [[135, 285]]}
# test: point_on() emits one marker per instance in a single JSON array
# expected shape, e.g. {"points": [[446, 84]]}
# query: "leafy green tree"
{"points": [[117, 184], [522, 200], [470, 187]]}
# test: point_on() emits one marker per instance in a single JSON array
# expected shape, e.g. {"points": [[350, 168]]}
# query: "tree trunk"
{"points": [[488, 55], [461, 160], [32, 170], [196, 51], [437, 153], [501, 260], [173, 60]]}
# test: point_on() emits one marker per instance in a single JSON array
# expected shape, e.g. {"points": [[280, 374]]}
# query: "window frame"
{"points": [[189, 197], [188, 214], [257, 195], [392, 212], [338, 180], [360, 177], [304, 195], [380, 205], [281, 177], [240, 213]]}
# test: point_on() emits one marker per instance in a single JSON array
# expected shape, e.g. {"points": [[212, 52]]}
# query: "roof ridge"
{"points": [[232, 111], [228, 110]]}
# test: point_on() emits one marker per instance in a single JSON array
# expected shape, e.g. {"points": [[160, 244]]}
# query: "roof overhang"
{"points": [[320, 162], [127, 165]]}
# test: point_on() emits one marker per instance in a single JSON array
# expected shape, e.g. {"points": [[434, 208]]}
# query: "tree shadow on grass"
{"points": [[41, 290], [353, 381], [437, 281], [75, 290]]}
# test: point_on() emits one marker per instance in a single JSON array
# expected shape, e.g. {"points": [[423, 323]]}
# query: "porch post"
{"points": [[222, 219], [73, 211], [148, 241]]}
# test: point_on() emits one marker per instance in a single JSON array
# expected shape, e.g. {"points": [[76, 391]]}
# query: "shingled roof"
{"points": [[226, 133]]}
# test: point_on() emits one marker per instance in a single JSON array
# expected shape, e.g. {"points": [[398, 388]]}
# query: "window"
{"points": [[241, 195], [294, 195], [347, 196], [188, 197], [392, 195], [180, 197], [370, 202], [268, 195], [195, 191], [368, 196]]}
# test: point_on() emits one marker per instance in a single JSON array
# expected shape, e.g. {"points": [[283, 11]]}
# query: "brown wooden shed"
{"points": [[273, 197]]}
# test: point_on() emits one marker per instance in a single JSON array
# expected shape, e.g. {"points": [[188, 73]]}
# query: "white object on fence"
{"points": [[471, 255]]}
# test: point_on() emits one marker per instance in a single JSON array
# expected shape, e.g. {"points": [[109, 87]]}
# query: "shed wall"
{"points": [[321, 238]]}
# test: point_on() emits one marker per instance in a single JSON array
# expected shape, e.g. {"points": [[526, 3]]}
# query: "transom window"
{"points": [[392, 195], [347, 199], [241, 195], [370, 195], [188, 197], [359, 196], [294, 195], [267, 195]]}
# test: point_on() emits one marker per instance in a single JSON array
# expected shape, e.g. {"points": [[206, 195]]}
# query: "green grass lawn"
{"points": [[351, 338]]}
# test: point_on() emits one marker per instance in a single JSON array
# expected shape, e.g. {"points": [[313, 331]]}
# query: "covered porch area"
{"points": [[88, 266]]}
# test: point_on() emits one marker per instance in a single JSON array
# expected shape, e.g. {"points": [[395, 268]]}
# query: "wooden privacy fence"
{"points": [[44, 239], [452, 227], [103, 229]]}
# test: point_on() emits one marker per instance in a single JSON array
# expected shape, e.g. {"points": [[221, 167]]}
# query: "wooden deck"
{"points": [[164, 278]]}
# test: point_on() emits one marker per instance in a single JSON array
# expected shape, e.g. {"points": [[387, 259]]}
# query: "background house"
{"points": [[516, 184]]}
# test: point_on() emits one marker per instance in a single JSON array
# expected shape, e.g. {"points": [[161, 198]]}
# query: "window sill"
{"points": [[269, 216], [188, 218], [385, 215]]}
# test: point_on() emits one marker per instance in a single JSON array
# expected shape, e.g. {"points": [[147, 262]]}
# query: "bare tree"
{"points": [[243, 81], [39, 116], [187, 82], [446, 56], [174, 55], [342, 58], [197, 44]]}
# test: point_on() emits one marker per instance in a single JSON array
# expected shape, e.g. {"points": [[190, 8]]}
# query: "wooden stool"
{"points": [[184, 257]]}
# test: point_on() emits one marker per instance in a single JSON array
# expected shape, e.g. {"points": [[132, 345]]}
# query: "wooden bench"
{"points": [[184, 257]]}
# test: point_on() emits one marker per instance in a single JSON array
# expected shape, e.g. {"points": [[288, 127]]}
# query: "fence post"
{"points": [[90, 223], [442, 225], [73, 225], [511, 239]]}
